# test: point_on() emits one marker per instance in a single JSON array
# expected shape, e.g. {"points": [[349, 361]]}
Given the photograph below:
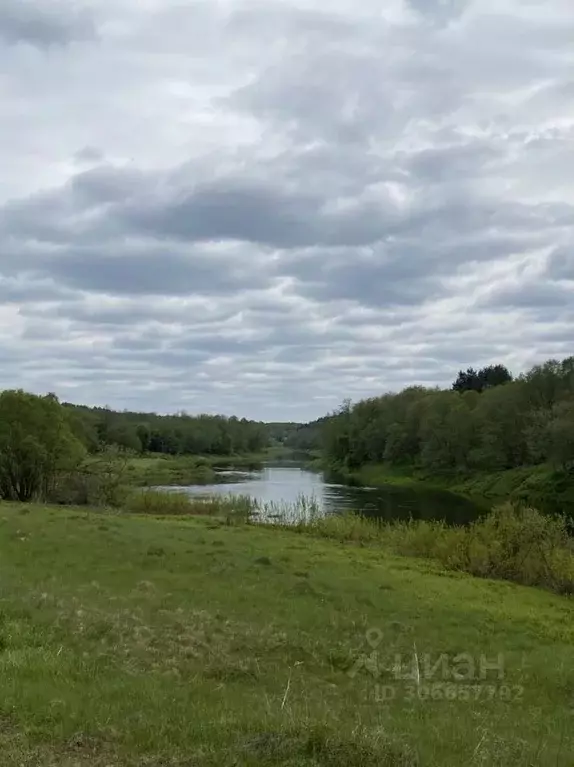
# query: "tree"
{"points": [[486, 378], [494, 375], [144, 436], [560, 436], [445, 431], [125, 436], [467, 381], [84, 429], [336, 436], [36, 443], [489, 421]]}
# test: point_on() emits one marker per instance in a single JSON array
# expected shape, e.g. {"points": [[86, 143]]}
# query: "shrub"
{"points": [[522, 545], [510, 543], [96, 482]]}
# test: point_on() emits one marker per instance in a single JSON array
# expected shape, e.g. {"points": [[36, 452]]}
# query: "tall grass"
{"points": [[304, 511], [164, 503], [511, 543]]}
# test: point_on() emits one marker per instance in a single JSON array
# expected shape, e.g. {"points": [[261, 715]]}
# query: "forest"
{"points": [[488, 421], [179, 434]]}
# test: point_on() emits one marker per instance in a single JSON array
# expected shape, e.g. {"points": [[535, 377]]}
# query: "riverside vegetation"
{"points": [[490, 434], [70, 454]]}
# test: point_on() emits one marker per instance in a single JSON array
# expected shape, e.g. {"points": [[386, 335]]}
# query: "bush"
{"points": [[87, 488], [510, 543], [156, 502], [96, 482], [520, 545]]}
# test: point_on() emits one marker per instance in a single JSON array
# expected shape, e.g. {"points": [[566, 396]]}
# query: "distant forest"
{"points": [[487, 421], [179, 434]]}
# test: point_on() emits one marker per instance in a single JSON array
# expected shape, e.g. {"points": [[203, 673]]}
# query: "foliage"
{"points": [[36, 444], [306, 437], [559, 435], [496, 425], [180, 434], [101, 481], [510, 543], [163, 470], [280, 433], [488, 377]]}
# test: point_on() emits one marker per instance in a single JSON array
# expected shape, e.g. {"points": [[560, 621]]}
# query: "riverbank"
{"points": [[138, 641], [165, 470], [539, 486]]}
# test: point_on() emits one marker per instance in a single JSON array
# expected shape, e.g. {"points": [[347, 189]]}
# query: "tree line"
{"points": [[181, 434], [487, 421], [42, 439]]}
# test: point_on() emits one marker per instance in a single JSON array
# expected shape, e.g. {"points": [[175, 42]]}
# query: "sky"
{"points": [[263, 207]]}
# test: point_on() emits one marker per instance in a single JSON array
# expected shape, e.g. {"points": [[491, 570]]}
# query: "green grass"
{"points": [[536, 485], [159, 469], [161, 503], [167, 470], [186, 641]]}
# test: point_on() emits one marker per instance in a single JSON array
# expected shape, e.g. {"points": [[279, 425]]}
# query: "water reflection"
{"points": [[283, 485]]}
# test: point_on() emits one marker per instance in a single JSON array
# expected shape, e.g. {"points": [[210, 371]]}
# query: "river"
{"points": [[282, 485]]}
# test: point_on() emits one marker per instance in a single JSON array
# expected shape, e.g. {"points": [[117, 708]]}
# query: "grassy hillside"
{"points": [[139, 641], [539, 486]]}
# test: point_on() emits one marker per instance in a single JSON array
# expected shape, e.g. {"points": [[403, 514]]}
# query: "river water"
{"points": [[283, 485]]}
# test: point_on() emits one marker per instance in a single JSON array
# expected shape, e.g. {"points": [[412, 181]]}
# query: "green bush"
{"points": [[511, 543], [100, 481], [81, 488], [519, 544]]}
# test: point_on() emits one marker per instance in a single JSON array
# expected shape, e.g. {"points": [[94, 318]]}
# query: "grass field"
{"points": [[137, 641]]}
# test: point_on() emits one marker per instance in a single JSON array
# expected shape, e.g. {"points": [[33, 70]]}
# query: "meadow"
{"points": [[161, 639]]}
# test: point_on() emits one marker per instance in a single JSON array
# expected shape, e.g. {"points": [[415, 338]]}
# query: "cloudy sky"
{"points": [[262, 207]]}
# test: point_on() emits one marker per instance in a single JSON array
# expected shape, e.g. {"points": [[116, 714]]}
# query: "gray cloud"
{"points": [[139, 271], [44, 23], [262, 208], [439, 12], [561, 263], [533, 295]]}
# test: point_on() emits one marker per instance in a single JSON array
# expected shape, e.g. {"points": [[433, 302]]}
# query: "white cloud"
{"points": [[263, 208]]}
